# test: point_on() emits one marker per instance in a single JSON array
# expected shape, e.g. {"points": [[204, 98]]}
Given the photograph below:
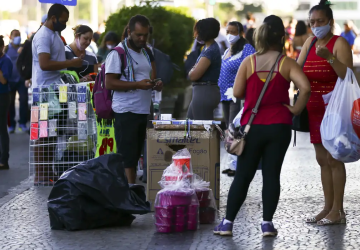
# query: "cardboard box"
{"points": [[165, 140]]}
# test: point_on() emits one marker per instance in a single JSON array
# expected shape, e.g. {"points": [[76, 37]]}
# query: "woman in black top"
{"points": [[83, 36]]}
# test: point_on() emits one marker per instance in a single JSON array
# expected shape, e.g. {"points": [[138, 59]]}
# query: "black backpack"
{"points": [[164, 66], [24, 61]]}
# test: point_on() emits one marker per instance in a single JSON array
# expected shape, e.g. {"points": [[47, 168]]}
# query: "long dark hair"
{"points": [[250, 36], [239, 45], [110, 36], [301, 28], [2, 42]]}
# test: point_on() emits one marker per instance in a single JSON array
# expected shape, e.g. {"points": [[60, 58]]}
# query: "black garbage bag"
{"points": [[95, 194]]}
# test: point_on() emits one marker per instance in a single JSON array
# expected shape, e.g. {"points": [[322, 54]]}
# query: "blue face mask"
{"points": [[322, 31], [17, 40]]}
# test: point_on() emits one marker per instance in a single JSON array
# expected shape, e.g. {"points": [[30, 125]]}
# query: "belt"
{"points": [[204, 83]]}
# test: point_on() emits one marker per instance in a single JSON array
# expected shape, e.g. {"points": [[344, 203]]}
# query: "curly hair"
{"points": [[207, 29]]}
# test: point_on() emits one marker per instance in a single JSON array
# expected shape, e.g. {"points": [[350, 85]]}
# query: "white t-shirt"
{"points": [[46, 41], [134, 101]]}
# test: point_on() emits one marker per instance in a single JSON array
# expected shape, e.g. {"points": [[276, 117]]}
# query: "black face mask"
{"points": [[58, 26], [132, 44]]}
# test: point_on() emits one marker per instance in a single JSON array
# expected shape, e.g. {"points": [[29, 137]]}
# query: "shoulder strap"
{"points": [[281, 63], [311, 45], [252, 58], [122, 54], [256, 108]]}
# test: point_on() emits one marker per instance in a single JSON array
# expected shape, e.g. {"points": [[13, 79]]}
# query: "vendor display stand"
{"points": [[62, 130]]}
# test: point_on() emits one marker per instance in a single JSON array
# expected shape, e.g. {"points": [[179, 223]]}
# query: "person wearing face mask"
{"points": [[205, 74], [231, 61], [6, 68], [270, 134], [328, 60], [17, 84], [109, 42], [48, 59], [83, 36], [132, 92]]}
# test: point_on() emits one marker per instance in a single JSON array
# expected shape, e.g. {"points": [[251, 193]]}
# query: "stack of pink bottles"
{"points": [[176, 205], [177, 211]]}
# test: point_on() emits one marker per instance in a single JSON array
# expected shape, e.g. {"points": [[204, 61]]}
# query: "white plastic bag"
{"points": [[340, 129], [237, 118], [232, 161], [230, 94]]}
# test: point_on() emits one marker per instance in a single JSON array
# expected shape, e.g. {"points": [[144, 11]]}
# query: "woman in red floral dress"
{"points": [[328, 59]]}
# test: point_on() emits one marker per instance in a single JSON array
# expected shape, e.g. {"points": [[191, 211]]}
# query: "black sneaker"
{"points": [[4, 167], [226, 171], [231, 173]]}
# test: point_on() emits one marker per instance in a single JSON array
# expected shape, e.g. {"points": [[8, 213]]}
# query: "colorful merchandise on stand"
{"points": [[106, 143], [62, 129]]}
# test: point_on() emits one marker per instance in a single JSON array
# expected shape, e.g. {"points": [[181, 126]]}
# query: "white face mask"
{"points": [[232, 39], [110, 46], [322, 31], [199, 41]]}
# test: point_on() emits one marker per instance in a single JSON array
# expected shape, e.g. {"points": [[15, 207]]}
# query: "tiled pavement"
{"points": [[25, 224]]}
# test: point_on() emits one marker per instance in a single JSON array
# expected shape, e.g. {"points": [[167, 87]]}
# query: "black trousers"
{"points": [[4, 135], [269, 143], [23, 100], [230, 110], [130, 134]]}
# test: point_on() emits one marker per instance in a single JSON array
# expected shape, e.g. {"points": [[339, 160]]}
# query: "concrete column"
{"points": [[94, 14]]}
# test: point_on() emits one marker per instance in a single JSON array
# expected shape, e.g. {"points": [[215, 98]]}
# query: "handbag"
{"points": [[235, 138], [301, 122]]}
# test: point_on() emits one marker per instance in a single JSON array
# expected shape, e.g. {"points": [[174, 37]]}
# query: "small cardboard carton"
{"points": [[165, 140]]}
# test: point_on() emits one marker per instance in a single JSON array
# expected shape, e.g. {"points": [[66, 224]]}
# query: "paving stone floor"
{"points": [[25, 224]]}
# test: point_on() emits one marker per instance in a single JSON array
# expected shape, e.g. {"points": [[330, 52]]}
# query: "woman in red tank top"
{"points": [[270, 133], [327, 60]]}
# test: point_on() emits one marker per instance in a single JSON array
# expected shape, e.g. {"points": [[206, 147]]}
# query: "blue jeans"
{"points": [[23, 99]]}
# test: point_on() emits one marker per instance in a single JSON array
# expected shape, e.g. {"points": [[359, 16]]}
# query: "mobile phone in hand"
{"points": [[156, 80]]}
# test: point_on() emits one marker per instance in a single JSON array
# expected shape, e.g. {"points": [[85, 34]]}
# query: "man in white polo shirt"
{"points": [[132, 93]]}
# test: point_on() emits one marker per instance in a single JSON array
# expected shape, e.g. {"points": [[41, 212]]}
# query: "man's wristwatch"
{"points": [[331, 59]]}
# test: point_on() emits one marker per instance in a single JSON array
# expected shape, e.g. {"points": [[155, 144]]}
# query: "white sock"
{"points": [[226, 222], [266, 222]]}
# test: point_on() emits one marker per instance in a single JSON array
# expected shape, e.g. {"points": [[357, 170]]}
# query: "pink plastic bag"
{"points": [[207, 205], [176, 205]]}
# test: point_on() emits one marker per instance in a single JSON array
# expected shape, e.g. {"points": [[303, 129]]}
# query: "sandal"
{"points": [[326, 222], [313, 219]]}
